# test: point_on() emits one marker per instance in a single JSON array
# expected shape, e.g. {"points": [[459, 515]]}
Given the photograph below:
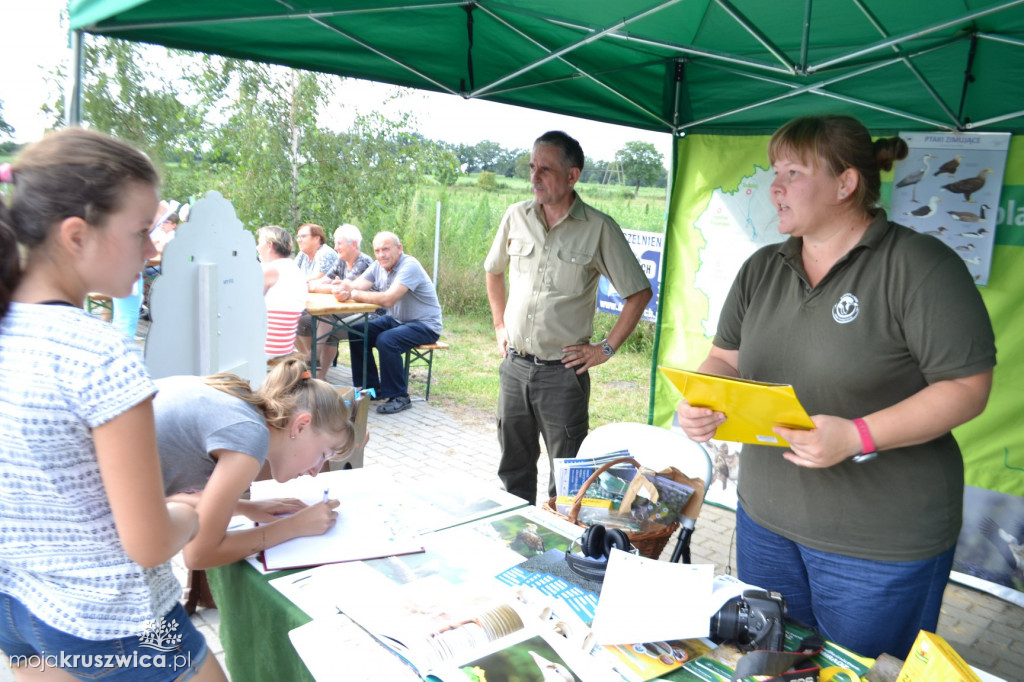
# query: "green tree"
{"points": [[489, 155], [641, 163], [6, 129], [441, 162], [522, 166], [276, 164], [126, 93], [596, 171]]}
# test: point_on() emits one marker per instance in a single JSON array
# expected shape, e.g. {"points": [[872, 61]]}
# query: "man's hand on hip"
{"points": [[582, 357], [502, 339]]}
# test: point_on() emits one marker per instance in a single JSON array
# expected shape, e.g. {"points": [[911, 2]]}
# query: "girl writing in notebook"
{"points": [[86, 530], [215, 434]]}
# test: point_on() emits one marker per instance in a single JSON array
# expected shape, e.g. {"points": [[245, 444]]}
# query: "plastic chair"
{"points": [[656, 448]]}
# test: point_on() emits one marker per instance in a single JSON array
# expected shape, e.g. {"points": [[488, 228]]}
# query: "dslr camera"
{"points": [[754, 620]]}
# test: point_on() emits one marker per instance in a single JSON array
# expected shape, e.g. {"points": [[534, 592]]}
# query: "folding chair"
{"points": [[657, 448]]}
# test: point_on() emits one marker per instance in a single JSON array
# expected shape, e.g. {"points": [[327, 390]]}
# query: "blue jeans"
{"points": [[870, 607], [392, 339], [31, 643]]}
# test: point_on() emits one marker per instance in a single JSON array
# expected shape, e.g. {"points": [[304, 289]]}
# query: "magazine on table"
{"points": [[439, 628], [378, 516], [473, 551]]}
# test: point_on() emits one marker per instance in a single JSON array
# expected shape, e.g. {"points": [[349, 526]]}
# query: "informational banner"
{"points": [[949, 187], [721, 212], [647, 249]]}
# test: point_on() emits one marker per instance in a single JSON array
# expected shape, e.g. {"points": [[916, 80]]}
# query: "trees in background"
{"points": [[488, 156], [641, 163], [6, 129], [254, 132], [251, 131]]}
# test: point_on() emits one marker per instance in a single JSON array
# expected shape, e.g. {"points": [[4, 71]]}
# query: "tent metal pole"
{"points": [[295, 14], [73, 101], [995, 119], [582, 73], [921, 33], [685, 49], [557, 54], [749, 27], [815, 88], [383, 55], [805, 35], [888, 110], [996, 38], [909, 64]]}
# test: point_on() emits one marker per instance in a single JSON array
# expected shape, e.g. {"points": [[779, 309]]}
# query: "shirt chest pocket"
{"points": [[519, 253], [570, 270]]}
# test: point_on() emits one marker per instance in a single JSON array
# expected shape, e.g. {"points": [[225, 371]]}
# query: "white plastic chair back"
{"points": [[656, 448], [652, 446]]}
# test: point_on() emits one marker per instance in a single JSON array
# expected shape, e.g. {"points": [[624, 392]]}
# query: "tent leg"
{"points": [[73, 105]]}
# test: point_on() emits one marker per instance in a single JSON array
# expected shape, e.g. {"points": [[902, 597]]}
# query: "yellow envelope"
{"points": [[751, 408]]}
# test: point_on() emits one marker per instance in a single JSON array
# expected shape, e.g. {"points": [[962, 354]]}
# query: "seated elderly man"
{"points": [[351, 263], [397, 282]]}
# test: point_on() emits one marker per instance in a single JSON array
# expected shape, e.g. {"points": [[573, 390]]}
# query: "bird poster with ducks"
{"points": [[948, 186]]}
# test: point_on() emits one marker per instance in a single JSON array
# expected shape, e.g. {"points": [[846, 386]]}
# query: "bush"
{"points": [[487, 181]]}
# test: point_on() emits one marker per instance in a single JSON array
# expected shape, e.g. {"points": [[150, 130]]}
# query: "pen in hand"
{"points": [[326, 490]]}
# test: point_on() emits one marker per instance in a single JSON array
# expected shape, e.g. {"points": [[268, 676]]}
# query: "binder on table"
{"points": [[751, 408]]}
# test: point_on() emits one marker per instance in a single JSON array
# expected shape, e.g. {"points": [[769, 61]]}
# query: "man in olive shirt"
{"points": [[555, 248]]}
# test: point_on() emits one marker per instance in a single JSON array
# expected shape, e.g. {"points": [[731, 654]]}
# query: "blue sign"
{"points": [[647, 247]]}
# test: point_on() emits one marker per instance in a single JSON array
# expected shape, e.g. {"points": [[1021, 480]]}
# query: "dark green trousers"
{"points": [[536, 401]]}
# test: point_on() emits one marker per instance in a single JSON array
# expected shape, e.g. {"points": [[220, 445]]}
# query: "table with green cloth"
{"points": [[255, 620]]}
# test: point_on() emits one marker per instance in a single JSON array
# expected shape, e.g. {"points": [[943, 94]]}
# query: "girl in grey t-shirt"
{"points": [[215, 434]]}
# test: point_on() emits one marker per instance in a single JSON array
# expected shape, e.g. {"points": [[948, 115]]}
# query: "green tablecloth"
{"points": [[254, 623]]}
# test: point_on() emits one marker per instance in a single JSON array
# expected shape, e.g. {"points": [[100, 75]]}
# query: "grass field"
{"points": [[466, 376]]}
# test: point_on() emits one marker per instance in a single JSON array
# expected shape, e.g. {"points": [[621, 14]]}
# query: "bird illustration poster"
{"points": [[949, 187], [990, 550]]}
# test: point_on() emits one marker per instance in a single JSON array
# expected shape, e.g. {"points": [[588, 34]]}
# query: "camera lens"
{"points": [[730, 623]]}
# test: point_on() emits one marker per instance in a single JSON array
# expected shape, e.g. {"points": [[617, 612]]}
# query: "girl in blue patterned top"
{"points": [[85, 587]]}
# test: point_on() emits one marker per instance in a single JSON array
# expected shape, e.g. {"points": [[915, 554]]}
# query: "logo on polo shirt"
{"points": [[847, 309]]}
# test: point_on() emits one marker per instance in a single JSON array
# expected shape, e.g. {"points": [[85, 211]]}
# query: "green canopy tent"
{"points": [[721, 70], [668, 65]]}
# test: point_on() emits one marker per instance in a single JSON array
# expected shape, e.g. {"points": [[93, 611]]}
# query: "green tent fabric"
{"points": [[670, 65]]}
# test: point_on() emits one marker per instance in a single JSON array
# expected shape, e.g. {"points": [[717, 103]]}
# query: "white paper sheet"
{"points": [[645, 600], [367, 525]]}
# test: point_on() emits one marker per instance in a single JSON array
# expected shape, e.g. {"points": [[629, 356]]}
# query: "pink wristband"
{"points": [[867, 445]]}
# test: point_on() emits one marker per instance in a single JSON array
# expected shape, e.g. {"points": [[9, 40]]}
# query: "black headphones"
{"points": [[596, 544]]}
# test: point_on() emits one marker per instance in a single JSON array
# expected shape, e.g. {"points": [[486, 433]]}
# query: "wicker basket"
{"points": [[649, 543]]}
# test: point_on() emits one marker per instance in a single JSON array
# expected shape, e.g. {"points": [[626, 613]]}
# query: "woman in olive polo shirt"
{"points": [[889, 347]]}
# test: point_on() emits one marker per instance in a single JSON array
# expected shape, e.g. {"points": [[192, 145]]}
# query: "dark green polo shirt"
{"points": [[898, 312]]}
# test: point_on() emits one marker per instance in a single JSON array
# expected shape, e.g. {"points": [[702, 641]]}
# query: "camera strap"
{"points": [[791, 666]]}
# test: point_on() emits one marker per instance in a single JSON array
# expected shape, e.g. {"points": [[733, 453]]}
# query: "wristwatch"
{"points": [[607, 349]]}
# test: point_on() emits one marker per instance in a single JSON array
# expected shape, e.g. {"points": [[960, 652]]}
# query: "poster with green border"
{"points": [[720, 212]]}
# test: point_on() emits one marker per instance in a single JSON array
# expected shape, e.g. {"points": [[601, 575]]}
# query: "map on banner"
{"points": [[721, 213], [734, 225]]}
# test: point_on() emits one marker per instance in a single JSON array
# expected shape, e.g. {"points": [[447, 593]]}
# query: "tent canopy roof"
{"points": [[742, 66]]}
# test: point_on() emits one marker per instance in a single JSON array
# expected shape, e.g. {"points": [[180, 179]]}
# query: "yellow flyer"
{"points": [[751, 408]]}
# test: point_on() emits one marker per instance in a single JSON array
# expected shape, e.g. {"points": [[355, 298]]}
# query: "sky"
{"points": [[34, 45]]}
